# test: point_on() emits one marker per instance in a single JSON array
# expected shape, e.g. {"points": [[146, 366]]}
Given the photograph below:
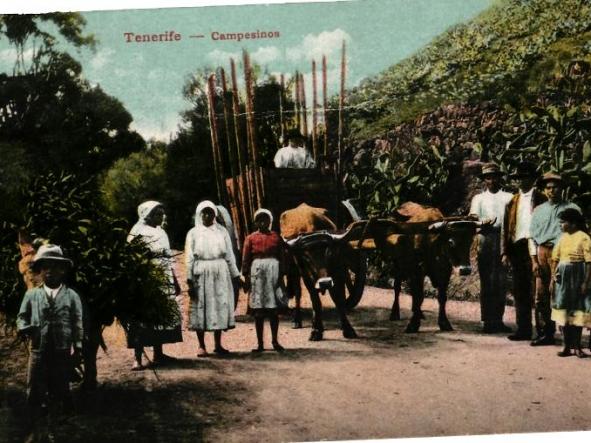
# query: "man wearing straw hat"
{"points": [[51, 317], [294, 155], [489, 207], [515, 246], [545, 232]]}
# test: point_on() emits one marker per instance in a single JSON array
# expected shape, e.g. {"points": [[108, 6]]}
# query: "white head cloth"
{"points": [[143, 211], [265, 211], [200, 207], [145, 208]]}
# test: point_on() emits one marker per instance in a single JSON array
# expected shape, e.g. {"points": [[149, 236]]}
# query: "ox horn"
{"points": [[339, 237], [291, 243], [460, 223], [438, 226]]}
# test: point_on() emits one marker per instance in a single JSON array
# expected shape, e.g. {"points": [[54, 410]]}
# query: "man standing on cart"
{"points": [[294, 155]]}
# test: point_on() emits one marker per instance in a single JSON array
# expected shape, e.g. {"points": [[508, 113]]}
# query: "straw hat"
{"points": [[551, 176], [490, 169], [50, 253]]}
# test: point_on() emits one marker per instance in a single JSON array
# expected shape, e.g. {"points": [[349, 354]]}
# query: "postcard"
{"points": [[299, 221]]}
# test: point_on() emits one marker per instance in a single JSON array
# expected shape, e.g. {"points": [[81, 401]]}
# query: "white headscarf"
{"points": [[200, 207], [265, 211], [143, 211]]}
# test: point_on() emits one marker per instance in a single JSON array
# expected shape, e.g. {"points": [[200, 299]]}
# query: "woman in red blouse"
{"points": [[262, 268]]}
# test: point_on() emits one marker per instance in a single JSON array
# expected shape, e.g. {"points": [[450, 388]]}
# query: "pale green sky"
{"points": [[148, 77]]}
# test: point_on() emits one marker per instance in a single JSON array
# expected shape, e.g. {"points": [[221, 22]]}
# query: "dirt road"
{"points": [[384, 384]]}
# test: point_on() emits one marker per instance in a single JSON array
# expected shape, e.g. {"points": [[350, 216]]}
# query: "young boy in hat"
{"points": [[51, 317]]}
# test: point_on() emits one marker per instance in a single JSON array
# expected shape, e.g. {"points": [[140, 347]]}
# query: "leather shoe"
{"points": [[502, 327], [520, 336], [543, 341]]}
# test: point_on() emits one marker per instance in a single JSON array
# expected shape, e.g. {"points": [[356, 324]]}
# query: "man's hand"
{"points": [[77, 357], [535, 268], [584, 288], [505, 260]]}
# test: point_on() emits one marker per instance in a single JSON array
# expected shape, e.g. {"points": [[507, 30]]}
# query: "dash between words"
{"points": [[173, 36]]}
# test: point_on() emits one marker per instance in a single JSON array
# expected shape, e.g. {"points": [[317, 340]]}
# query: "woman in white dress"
{"points": [[211, 276], [149, 230]]}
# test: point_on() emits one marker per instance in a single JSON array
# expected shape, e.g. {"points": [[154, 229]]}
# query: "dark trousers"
{"points": [[48, 376], [492, 278], [544, 324], [523, 285]]}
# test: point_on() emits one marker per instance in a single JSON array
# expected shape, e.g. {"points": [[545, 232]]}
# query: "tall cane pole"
{"points": [[340, 133], [325, 104], [281, 104], [214, 137], [296, 101], [314, 114], [252, 129], [303, 104], [245, 191], [231, 156]]}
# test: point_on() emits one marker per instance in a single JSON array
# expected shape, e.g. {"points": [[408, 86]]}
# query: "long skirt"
{"points": [[140, 335], [570, 307], [212, 304], [265, 292]]}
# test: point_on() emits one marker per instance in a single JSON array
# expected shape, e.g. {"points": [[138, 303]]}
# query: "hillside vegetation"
{"points": [[506, 54]]}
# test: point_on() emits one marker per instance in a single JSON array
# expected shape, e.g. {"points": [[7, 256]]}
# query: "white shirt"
{"points": [[295, 157], [52, 292], [488, 205], [524, 211]]}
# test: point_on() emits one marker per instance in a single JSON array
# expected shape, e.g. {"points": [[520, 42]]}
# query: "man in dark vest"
{"points": [[515, 247]]}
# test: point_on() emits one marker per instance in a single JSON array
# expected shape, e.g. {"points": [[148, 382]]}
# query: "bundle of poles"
{"points": [[244, 191]]}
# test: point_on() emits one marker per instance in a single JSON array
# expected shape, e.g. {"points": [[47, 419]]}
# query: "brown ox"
{"points": [[444, 245], [320, 255]]}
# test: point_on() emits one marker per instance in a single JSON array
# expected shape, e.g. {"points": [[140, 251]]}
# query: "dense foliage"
{"points": [[505, 54], [434, 158], [135, 179], [114, 277], [54, 123], [51, 118]]}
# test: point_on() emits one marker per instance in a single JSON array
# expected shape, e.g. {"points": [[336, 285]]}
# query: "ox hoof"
{"points": [[395, 316], [412, 328], [349, 333], [316, 335], [445, 325], [296, 324]]}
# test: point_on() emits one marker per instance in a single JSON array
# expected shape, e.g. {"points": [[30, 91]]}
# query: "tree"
{"points": [[23, 31], [134, 179]]}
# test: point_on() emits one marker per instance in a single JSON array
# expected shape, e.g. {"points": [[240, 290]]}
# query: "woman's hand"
{"points": [[246, 284], [191, 290]]}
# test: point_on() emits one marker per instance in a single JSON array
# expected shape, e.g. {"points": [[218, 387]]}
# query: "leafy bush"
{"points": [[134, 179], [114, 277]]}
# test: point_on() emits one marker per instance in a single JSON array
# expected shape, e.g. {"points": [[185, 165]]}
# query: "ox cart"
{"points": [[282, 189]]}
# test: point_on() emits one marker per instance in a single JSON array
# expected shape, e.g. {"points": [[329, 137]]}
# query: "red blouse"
{"points": [[261, 245]]}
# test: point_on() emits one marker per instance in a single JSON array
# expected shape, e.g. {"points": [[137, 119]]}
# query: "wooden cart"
{"points": [[285, 189]]}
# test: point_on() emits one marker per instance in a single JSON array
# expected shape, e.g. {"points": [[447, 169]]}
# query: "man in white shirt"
{"points": [[489, 207], [515, 246], [294, 155]]}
